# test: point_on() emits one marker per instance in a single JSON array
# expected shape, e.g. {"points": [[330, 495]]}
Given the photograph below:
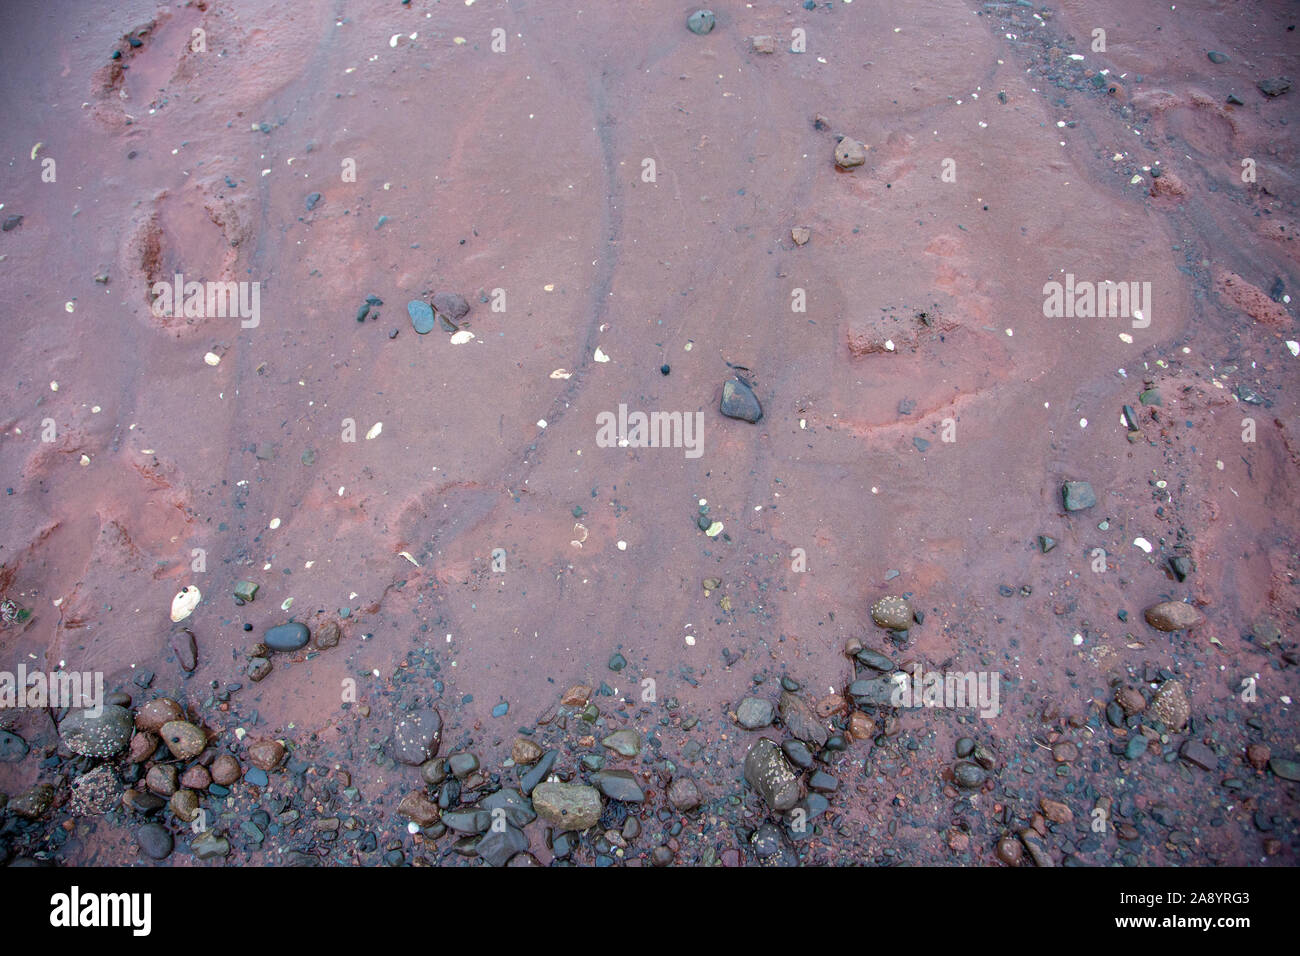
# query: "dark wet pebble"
{"points": [[1274, 86], [1217, 57], [154, 841], [312, 200], [969, 775], [286, 637], [185, 648]]}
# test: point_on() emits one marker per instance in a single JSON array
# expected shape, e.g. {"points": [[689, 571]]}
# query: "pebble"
{"points": [[525, 752], [416, 737], [421, 314], [619, 785], [286, 637], [800, 720], [328, 634], [154, 841], [312, 200], [1170, 706], [893, 613], [266, 754], [1173, 616], [1078, 495], [850, 153], [208, 846], [684, 794], [626, 743], [1274, 86], [569, 806], [739, 401], [768, 772], [968, 775], [161, 779], [451, 304], [185, 648], [183, 739], [701, 22], [754, 713], [416, 806], [1286, 769], [103, 735]]}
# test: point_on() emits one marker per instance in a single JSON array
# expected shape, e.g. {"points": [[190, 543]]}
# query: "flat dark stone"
{"points": [[1078, 495], [287, 637], [739, 401], [421, 314]]}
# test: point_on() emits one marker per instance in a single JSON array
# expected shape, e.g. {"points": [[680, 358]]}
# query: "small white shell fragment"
{"points": [[461, 337], [622, 546], [600, 356], [184, 603], [69, 306], [212, 358], [375, 430], [392, 40], [715, 529], [1078, 639], [85, 460], [1083, 423], [288, 602], [561, 373], [541, 423], [690, 640], [889, 345], [1293, 347], [407, 555], [275, 523], [54, 386], [1143, 543]]}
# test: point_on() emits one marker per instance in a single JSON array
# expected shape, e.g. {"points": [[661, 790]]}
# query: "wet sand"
{"points": [[516, 177]]}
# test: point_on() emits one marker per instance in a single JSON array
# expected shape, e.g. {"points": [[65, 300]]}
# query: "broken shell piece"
{"points": [[461, 337], [579, 535], [375, 430], [600, 356], [1143, 543], [212, 358], [561, 373], [184, 603], [800, 235], [407, 555]]}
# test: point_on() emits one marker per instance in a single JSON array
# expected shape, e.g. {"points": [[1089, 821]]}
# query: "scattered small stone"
{"points": [[416, 737], [183, 739], [416, 806]]}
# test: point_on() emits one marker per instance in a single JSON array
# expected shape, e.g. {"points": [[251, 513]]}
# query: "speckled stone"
{"points": [[102, 735], [892, 613], [416, 737]]}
